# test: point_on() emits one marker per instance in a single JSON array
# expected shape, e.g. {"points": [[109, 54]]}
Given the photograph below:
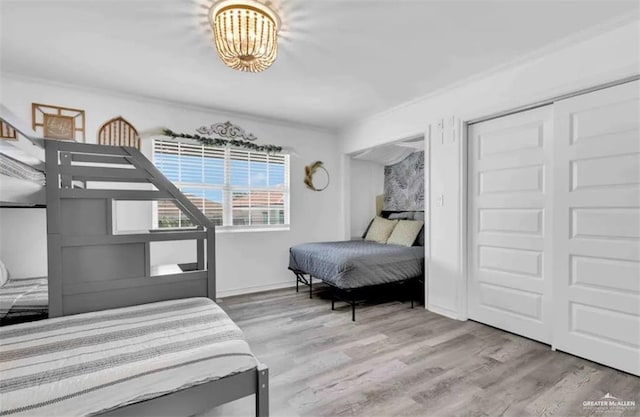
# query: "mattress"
{"points": [[20, 192], [357, 263], [94, 362], [20, 184], [12, 167], [23, 299]]}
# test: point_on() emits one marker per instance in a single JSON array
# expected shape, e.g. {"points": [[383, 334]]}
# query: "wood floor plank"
{"points": [[557, 398], [398, 361]]}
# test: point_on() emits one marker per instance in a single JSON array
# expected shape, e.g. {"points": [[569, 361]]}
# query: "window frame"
{"points": [[227, 191]]}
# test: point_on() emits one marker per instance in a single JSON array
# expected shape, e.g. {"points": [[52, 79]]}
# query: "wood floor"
{"points": [[395, 361]]}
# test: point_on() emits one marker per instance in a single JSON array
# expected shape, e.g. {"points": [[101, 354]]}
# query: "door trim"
{"points": [[552, 100]]}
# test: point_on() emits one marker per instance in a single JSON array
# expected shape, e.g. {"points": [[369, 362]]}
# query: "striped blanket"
{"points": [[94, 362], [23, 299]]}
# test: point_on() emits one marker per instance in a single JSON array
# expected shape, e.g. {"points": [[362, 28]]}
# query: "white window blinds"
{"points": [[232, 187]]}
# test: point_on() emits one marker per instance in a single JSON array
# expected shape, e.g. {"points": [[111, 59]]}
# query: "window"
{"points": [[232, 187]]}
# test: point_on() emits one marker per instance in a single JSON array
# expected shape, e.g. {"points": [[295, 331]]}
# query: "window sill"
{"points": [[245, 229]]}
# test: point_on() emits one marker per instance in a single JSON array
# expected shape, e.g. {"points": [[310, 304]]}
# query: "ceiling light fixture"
{"points": [[246, 34]]}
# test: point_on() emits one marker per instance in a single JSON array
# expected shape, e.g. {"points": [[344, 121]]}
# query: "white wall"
{"points": [[367, 182], [563, 68], [23, 241], [246, 261]]}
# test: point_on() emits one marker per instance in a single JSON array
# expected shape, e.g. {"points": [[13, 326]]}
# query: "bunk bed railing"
{"points": [[91, 266]]}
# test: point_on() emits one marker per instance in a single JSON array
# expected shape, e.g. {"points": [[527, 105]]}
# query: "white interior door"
{"points": [[597, 227], [510, 189]]}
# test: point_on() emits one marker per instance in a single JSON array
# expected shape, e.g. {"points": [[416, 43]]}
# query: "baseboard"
{"points": [[257, 288], [443, 311]]}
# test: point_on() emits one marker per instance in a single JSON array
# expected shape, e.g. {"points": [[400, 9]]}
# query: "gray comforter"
{"points": [[357, 263]]}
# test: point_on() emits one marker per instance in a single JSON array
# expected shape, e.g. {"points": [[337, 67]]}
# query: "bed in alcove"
{"points": [[386, 190]]}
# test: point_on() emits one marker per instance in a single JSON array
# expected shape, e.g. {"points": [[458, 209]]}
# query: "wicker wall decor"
{"points": [[310, 170], [7, 132], [56, 122], [118, 132]]}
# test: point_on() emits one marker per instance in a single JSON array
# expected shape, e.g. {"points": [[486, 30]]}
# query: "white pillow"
{"points": [[405, 233], [380, 230], [4, 274]]}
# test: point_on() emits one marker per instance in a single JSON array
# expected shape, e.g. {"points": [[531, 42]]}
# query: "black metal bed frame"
{"points": [[301, 279], [348, 295]]}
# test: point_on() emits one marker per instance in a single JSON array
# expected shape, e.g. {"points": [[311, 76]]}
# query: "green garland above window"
{"points": [[221, 143]]}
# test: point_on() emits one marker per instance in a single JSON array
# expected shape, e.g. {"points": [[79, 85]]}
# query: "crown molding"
{"points": [[173, 103]]}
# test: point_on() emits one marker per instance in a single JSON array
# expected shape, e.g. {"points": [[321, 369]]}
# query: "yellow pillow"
{"points": [[406, 232], [380, 229]]}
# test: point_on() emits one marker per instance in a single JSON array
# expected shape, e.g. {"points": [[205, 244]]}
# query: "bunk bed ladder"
{"points": [[91, 266]]}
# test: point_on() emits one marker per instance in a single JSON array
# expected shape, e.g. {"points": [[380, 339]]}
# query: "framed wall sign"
{"points": [[55, 122], [7, 132]]}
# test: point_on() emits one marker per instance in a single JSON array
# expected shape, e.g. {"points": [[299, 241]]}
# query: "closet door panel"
{"points": [[509, 207], [596, 290]]}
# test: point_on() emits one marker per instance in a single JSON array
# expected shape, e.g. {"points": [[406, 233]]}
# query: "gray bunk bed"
{"points": [[133, 334], [22, 186]]}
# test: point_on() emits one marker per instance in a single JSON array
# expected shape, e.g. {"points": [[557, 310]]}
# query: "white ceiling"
{"points": [[339, 60]]}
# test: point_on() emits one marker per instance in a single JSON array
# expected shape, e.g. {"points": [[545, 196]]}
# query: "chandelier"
{"points": [[246, 34]]}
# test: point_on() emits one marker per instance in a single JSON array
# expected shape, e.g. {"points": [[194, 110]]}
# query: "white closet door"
{"points": [[597, 227], [509, 223]]}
